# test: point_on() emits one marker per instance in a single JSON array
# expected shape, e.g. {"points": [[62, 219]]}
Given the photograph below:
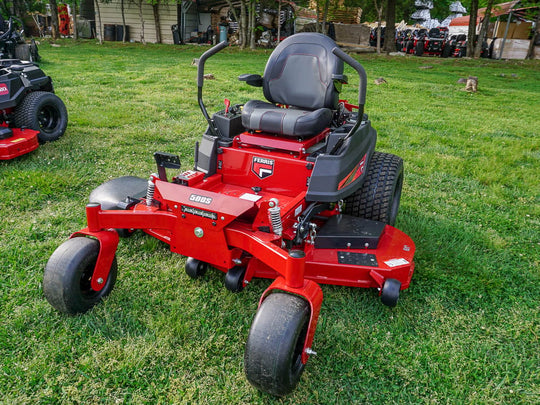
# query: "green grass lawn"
{"points": [[466, 331]]}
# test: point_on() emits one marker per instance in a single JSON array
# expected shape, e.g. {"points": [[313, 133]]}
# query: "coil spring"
{"points": [[274, 215], [150, 188]]}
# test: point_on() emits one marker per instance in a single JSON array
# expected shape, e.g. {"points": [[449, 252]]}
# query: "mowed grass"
{"points": [[466, 331]]}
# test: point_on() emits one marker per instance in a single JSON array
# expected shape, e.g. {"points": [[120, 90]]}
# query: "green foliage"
{"points": [[466, 331]]}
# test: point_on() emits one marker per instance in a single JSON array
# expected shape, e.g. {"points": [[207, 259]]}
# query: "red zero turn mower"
{"points": [[290, 189], [31, 112]]}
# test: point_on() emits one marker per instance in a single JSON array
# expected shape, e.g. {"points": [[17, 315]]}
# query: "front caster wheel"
{"points": [[390, 292], [234, 279], [273, 357], [195, 268], [68, 273]]}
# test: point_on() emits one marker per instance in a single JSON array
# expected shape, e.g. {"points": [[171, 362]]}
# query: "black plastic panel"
{"points": [[348, 232]]}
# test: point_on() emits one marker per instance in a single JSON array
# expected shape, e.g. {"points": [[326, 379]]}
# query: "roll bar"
{"points": [[200, 82], [362, 86]]}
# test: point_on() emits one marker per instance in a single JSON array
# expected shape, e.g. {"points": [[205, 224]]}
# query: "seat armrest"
{"points": [[340, 78], [251, 79]]}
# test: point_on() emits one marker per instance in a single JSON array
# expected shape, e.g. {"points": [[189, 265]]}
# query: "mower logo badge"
{"points": [[262, 167], [201, 199], [3, 89]]}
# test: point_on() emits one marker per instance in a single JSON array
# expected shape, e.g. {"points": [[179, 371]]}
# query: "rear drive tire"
{"points": [[66, 281], [44, 112], [447, 51], [273, 356], [378, 198]]}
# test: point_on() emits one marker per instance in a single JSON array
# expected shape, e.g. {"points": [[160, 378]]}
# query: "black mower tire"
{"points": [[44, 112], [378, 198], [447, 51], [66, 280], [390, 292], [410, 47], [195, 268], [273, 356], [419, 49], [234, 279]]}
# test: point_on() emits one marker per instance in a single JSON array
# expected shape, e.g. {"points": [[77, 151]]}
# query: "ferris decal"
{"points": [[3, 89], [262, 167]]}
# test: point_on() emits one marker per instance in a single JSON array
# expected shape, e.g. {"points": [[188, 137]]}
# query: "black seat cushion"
{"points": [[261, 116]]}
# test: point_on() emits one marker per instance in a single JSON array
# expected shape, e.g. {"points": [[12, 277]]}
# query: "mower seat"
{"points": [[303, 74]]}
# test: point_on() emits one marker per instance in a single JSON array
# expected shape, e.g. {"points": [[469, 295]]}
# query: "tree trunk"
{"points": [[472, 27], [483, 30], [390, 33], [379, 22], [55, 33], [252, 26], [155, 9], [530, 51], [74, 14], [279, 22], [243, 25], [141, 19], [123, 12], [317, 26], [325, 16], [98, 11]]}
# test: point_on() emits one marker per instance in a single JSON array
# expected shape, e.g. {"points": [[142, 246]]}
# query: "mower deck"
{"points": [[23, 141]]}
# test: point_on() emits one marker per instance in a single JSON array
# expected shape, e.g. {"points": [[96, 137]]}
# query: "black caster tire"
{"points": [[234, 279], [378, 198], [66, 281], [125, 233], [273, 356], [44, 112], [195, 268], [390, 292]]}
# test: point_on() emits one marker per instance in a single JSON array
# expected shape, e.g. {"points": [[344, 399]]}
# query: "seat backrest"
{"points": [[299, 72]]}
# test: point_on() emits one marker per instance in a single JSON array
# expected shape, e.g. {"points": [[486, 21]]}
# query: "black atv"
{"points": [[31, 112]]}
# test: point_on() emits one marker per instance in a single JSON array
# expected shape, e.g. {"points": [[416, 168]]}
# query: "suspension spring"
{"points": [[274, 215], [150, 188]]}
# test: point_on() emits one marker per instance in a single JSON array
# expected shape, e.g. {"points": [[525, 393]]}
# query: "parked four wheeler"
{"points": [[12, 44], [32, 113], [429, 42], [405, 41], [289, 189]]}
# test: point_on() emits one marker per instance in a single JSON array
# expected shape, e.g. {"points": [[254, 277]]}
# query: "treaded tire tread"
{"points": [[26, 114], [375, 199]]}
